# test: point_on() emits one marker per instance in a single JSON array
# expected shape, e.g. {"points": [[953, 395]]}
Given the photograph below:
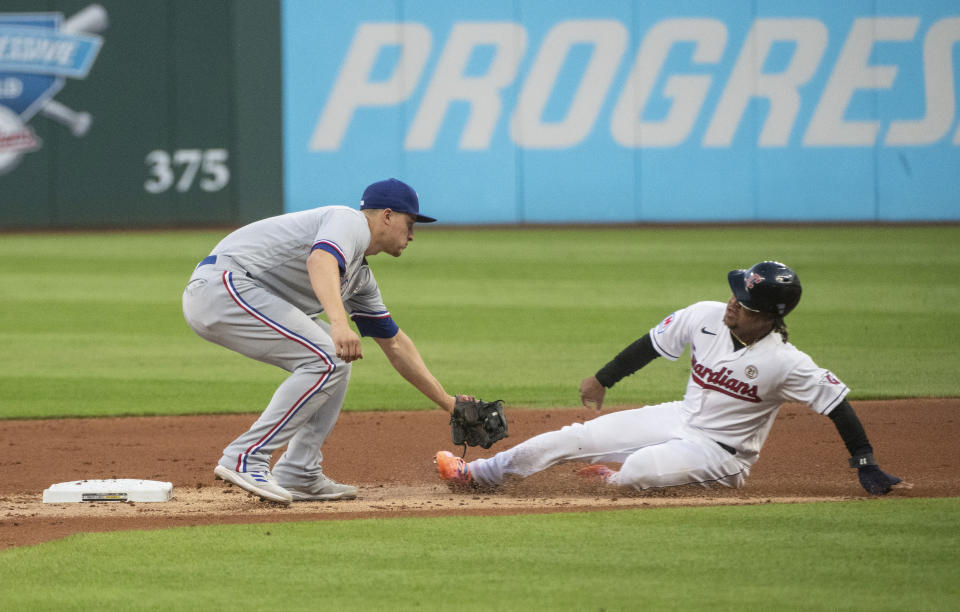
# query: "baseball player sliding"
{"points": [[742, 370], [258, 292]]}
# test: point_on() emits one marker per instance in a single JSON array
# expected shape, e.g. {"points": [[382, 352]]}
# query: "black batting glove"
{"points": [[873, 480]]}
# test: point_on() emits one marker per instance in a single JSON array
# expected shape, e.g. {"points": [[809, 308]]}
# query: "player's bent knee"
{"points": [[321, 366]]}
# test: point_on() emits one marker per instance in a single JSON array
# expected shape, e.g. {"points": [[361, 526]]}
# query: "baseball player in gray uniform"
{"points": [[258, 293], [742, 370]]}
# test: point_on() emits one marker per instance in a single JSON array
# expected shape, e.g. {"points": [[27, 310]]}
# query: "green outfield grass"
{"points": [[882, 554], [91, 322], [90, 325]]}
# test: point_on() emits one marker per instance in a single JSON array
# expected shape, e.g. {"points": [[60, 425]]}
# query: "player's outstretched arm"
{"points": [[406, 360], [873, 480], [628, 361]]}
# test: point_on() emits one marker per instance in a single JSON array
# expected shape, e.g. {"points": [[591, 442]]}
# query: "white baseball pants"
{"points": [[654, 445]]}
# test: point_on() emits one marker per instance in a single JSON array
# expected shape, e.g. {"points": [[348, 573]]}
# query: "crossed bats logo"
{"points": [[38, 53]]}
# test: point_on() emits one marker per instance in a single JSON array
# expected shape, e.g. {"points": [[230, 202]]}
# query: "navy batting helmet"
{"points": [[768, 286]]}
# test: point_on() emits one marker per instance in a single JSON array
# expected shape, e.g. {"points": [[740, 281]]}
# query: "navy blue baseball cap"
{"points": [[395, 195]]}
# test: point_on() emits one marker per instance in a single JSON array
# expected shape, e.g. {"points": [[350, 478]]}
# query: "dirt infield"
{"points": [[389, 456]]}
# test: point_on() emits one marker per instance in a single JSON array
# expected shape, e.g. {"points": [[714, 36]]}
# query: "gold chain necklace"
{"points": [[755, 340], [740, 340]]}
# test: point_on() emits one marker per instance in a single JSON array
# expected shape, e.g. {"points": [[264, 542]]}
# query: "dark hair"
{"points": [[780, 326]]}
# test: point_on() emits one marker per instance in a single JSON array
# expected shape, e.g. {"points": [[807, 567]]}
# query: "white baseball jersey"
{"points": [[274, 251], [732, 395]]}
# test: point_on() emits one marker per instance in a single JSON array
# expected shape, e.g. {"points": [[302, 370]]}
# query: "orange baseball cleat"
{"points": [[453, 469]]}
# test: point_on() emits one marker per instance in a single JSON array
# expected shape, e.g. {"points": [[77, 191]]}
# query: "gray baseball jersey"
{"points": [[274, 251], [253, 295]]}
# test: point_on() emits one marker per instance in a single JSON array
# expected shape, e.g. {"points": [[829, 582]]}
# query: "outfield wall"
{"points": [[133, 113], [185, 112], [622, 111]]}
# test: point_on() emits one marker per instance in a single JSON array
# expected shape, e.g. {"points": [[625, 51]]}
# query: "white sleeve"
{"points": [[814, 386], [671, 337]]}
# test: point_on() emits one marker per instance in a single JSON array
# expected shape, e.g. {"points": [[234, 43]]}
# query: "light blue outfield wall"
{"points": [[510, 111]]}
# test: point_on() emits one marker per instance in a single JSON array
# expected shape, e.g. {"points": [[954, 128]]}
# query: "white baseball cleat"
{"points": [[324, 489], [260, 483]]}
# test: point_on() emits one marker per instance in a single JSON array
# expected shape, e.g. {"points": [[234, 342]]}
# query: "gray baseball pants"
{"points": [[224, 305]]}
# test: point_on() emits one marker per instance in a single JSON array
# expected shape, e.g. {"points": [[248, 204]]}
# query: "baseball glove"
{"points": [[475, 422]]}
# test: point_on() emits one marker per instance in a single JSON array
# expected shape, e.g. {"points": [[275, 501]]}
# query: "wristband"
{"points": [[862, 460]]}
